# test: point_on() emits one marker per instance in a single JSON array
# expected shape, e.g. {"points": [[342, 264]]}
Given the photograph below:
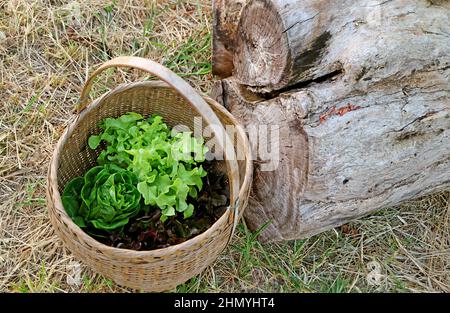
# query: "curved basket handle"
{"points": [[187, 92]]}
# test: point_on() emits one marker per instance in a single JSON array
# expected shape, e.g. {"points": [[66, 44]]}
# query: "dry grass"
{"points": [[46, 49]]}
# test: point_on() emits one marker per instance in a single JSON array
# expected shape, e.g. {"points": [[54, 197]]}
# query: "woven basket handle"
{"points": [[189, 93]]}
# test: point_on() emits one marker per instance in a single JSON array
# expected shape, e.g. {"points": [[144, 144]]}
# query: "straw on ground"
{"points": [[46, 50]]}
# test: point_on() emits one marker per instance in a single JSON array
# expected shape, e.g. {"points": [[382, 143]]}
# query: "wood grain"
{"points": [[282, 43], [366, 137]]}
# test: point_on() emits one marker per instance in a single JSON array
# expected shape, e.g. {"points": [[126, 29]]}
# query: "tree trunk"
{"points": [[226, 15], [351, 139], [281, 43]]}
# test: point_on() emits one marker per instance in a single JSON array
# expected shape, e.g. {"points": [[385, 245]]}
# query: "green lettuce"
{"points": [[105, 198], [167, 166]]}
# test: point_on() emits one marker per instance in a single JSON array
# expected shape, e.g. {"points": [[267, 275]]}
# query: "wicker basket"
{"points": [[177, 103]]}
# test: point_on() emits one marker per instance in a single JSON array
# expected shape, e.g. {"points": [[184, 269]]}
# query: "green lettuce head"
{"points": [[106, 198]]}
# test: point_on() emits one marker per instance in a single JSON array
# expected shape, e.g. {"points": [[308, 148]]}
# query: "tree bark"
{"points": [[226, 15], [282, 43], [354, 140]]}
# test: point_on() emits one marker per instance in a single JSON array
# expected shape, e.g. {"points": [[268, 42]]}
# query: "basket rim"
{"points": [[56, 197]]}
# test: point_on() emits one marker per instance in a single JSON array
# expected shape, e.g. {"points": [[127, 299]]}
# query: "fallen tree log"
{"points": [[281, 43], [352, 141]]}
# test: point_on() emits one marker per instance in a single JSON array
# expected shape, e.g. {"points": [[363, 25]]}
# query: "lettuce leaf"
{"points": [[167, 166], [105, 198]]}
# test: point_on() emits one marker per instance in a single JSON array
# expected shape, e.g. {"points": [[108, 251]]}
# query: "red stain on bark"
{"points": [[341, 111], [327, 114], [350, 107]]}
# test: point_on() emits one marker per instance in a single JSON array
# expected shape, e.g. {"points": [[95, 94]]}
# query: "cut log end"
{"points": [[281, 147], [261, 48]]}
